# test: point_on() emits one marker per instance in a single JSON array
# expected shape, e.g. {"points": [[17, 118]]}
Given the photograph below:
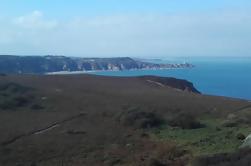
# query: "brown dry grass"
{"points": [[98, 139]]}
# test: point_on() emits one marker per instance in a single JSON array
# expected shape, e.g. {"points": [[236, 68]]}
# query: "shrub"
{"points": [[234, 120], [155, 162], [13, 95], [168, 154], [229, 123], [240, 158], [184, 121], [13, 88], [14, 102], [240, 136], [36, 107], [140, 119]]}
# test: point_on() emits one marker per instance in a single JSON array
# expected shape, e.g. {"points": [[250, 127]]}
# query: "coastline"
{"points": [[96, 71]]}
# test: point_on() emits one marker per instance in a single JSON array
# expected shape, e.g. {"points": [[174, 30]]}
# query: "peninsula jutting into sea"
{"points": [[52, 64]]}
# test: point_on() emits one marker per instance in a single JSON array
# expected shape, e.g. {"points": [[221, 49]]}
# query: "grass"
{"points": [[102, 99], [211, 139]]}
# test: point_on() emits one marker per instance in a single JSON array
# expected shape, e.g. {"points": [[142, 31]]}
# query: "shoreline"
{"points": [[94, 71]]}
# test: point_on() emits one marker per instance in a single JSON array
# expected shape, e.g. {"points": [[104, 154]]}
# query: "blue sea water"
{"points": [[214, 76]]}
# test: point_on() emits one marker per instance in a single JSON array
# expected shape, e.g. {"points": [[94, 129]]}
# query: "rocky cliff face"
{"points": [[46, 64], [179, 84]]}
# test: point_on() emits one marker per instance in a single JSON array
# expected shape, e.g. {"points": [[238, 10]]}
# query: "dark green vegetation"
{"points": [[141, 121], [209, 139], [136, 118], [45, 64], [239, 158], [15, 96]]}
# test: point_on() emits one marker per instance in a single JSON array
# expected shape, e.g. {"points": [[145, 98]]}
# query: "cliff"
{"points": [[179, 84], [47, 64]]}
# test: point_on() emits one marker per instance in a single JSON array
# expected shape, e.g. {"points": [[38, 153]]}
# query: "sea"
{"points": [[220, 76]]}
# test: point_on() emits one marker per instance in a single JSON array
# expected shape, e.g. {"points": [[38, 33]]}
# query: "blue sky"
{"points": [[59, 8], [144, 28]]}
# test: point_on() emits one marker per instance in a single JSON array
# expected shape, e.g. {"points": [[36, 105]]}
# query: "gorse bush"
{"points": [[137, 118], [14, 102], [14, 96], [13, 88], [240, 158], [168, 154], [184, 121]]}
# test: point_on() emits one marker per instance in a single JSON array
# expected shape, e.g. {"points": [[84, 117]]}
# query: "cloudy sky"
{"points": [[143, 28]]}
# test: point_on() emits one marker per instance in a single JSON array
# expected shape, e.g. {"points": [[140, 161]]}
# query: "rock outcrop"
{"points": [[178, 84]]}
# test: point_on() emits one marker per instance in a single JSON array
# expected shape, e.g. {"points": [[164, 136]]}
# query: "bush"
{"points": [[140, 119], [240, 158], [168, 154], [13, 88], [14, 102], [155, 162], [13, 96], [36, 107], [229, 123], [185, 121], [235, 120], [240, 136]]}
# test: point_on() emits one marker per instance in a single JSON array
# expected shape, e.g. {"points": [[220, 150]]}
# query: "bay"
{"points": [[224, 76]]}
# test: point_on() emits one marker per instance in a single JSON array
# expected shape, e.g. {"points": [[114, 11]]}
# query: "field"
{"points": [[139, 121]]}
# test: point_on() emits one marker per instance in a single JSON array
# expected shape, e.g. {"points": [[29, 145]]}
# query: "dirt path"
{"points": [[42, 130]]}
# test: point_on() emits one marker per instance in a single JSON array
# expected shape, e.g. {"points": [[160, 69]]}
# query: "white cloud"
{"points": [[186, 34], [215, 33], [35, 20]]}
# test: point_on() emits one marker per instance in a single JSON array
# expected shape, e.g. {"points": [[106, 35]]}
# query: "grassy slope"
{"points": [[211, 139], [97, 138]]}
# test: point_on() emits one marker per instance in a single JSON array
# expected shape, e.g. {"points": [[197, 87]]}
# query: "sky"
{"points": [[137, 28]]}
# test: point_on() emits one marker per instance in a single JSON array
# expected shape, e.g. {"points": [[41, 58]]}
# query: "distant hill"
{"points": [[46, 64]]}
